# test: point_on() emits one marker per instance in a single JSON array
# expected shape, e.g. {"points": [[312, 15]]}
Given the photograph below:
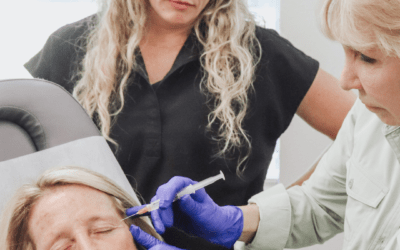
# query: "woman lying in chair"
{"points": [[70, 208]]}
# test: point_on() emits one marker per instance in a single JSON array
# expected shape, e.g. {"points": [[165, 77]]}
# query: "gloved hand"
{"points": [[148, 241], [196, 214]]}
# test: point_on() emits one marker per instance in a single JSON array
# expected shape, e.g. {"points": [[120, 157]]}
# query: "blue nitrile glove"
{"points": [[196, 214], [148, 241]]}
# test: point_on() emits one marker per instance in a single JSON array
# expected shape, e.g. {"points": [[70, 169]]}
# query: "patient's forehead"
{"points": [[65, 207]]}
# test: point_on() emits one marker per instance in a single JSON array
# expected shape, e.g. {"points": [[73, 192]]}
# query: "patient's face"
{"points": [[78, 217]]}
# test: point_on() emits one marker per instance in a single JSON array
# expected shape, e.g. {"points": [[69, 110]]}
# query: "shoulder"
{"points": [[74, 33], [265, 35], [283, 76], [279, 56], [274, 45], [59, 59], [281, 59], [270, 37]]}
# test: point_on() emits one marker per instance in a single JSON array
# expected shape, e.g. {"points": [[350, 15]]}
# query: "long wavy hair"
{"points": [[364, 24], [225, 28], [14, 233]]}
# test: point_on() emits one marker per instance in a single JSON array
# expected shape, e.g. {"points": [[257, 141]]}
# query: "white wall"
{"points": [[25, 26], [300, 144]]}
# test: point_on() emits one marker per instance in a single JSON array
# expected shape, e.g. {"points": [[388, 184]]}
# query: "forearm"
{"points": [[289, 218]]}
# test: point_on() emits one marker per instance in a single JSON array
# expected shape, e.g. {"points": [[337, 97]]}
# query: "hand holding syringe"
{"points": [[191, 189]]}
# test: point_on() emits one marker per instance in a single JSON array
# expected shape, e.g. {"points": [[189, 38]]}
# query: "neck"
{"points": [[161, 38], [158, 32]]}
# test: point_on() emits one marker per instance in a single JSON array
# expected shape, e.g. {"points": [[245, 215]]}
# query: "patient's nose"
{"points": [[85, 242]]}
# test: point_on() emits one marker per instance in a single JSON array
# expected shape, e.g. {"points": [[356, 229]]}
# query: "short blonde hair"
{"points": [[364, 24], [14, 221]]}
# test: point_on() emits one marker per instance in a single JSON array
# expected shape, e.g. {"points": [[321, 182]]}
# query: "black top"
{"points": [[161, 130]]}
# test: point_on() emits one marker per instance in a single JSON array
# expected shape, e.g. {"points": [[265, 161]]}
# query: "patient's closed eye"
{"points": [[103, 230]]}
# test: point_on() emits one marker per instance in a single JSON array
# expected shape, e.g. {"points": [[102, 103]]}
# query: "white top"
{"points": [[358, 177]]}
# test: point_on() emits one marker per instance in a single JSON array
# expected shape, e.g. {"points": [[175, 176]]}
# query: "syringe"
{"points": [[191, 189]]}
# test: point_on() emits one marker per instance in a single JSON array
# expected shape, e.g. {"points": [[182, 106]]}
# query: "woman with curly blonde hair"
{"points": [[70, 208], [190, 87]]}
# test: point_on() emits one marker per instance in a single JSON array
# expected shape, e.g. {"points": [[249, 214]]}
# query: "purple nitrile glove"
{"points": [[148, 241], [196, 214]]}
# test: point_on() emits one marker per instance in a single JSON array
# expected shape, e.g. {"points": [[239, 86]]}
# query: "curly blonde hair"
{"points": [[364, 24], [225, 28], [14, 220]]}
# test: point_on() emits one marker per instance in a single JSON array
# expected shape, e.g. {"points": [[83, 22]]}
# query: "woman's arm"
{"points": [[326, 105]]}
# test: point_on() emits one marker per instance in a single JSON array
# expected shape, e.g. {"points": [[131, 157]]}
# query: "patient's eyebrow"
{"points": [[102, 218]]}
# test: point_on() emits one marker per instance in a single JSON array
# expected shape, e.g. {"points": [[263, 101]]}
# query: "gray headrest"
{"points": [[42, 126], [37, 114], [92, 153]]}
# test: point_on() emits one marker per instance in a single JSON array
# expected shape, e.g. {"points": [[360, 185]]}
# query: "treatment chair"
{"points": [[42, 126]]}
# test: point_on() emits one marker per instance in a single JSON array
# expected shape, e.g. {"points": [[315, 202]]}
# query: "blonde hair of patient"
{"points": [[229, 60], [364, 24], [14, 221]]}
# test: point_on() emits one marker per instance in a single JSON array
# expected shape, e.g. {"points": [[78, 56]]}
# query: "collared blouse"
{"points": [[355, 189]]}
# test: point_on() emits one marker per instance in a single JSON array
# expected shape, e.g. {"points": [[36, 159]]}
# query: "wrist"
{"points": [[251, 220], [229, 228]]}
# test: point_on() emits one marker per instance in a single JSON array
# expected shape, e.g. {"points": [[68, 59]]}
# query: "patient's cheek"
{"points": [[126, 239]]}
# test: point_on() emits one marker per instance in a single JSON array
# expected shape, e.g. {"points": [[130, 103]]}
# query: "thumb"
{"points": [[157, 222], [143, 238]]}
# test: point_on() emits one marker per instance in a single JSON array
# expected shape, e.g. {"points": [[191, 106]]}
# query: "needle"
{"points": [[147, 209]]}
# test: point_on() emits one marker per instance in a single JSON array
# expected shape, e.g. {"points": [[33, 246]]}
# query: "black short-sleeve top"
{"points": [[161, 131]]}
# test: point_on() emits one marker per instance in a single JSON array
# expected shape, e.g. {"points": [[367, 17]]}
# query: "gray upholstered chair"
{"points": [[43, 126]]}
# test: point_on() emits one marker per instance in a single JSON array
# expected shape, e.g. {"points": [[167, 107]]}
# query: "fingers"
{"points": [[157, 222], [133, 210], [163, 217], [143, 238], [168, 191]]}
